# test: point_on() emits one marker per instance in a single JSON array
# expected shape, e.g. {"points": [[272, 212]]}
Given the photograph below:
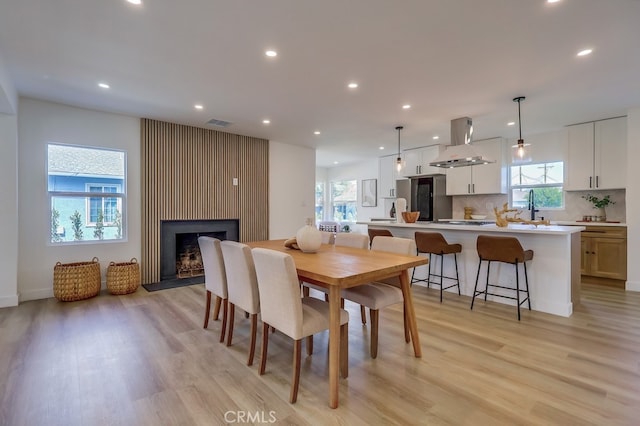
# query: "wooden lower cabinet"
{"points": [[604, 252]]}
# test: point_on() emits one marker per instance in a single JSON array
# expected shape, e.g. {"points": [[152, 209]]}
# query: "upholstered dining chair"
{"points": [[379, 295], [215, 280], [242, 288], [282, 307]]}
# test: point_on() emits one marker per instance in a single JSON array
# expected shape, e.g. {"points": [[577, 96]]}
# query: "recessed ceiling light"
{"points": [[553, 1], [317, 132], [266, 121], [335, 162], [104, 85], [136, 2], [435, 138], [511, 123], [271, 53], [198, 106], [406, 106], [382, 147], [585, 52], [353, 85]]}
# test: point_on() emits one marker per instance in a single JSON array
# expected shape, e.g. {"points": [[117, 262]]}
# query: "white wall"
{"points": [[291, 188], [39, 123], [8, 93], [9, 210], [633, 199]]}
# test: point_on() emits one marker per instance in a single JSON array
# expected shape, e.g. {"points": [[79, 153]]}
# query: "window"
{"points": [[344, 197], [544, 179], [319, 201], [86, 193]]}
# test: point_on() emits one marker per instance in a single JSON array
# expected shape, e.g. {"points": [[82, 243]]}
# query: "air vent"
{"points": [[219, 123]]}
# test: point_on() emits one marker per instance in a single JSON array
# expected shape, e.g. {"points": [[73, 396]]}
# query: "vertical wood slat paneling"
{"points": [[187, 174]]}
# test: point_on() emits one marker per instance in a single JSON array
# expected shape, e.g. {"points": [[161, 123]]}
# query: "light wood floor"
{"points": [[144, 359]]}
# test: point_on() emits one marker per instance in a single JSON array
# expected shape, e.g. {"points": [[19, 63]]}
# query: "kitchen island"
{"points": [[554, 272]]}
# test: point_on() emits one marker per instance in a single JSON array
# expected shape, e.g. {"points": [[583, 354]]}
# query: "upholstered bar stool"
{"points": [[378, 233], [433, 243], [505, 250]]}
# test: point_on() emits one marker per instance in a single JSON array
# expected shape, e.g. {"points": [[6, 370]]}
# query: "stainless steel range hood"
{"points": [[461, 153]]}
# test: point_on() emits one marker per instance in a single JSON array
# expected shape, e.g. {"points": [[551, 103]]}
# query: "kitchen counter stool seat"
{"points": [[433, 243], [505, 250]]}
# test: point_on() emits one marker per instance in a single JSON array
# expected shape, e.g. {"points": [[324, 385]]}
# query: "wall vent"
{"points": [[219, 123]]}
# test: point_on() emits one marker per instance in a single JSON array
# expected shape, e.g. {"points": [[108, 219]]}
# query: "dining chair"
{"points": [[379, 295], [215, 280], [282, 307], [242, 288]]}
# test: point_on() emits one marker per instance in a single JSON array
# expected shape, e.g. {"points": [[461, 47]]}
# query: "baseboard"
{"points": [[42, 293], [8, 301], [632, 286], [602, 281]]}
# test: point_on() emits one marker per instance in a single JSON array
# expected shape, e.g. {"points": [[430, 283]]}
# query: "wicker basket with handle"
{"points": [[124, 277], [76, 281]]}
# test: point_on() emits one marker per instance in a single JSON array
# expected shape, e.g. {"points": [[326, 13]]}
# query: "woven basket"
{"points": [[76, 281], [123, 278]]}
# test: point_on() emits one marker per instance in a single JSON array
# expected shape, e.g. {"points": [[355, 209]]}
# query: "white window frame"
{"points": [[535, 186]]}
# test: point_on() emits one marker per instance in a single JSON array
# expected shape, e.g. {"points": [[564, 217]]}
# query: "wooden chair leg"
{"points": [[407, 334], [265, 344], [232, 314], [224, 319], [373, 313], [207, 308], [252, 345], [309, 345], [363, 314], [216, 309], [344, 350], [295, 381]]}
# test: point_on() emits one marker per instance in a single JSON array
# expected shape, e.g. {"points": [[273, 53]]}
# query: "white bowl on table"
{"points": [[478, 216]]}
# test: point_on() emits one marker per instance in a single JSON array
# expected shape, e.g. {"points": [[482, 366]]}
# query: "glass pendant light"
{"points": [[399, 159], [521, 152]]}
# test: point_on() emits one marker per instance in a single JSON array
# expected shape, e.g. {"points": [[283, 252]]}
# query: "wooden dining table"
{"points": [[338, 267]]}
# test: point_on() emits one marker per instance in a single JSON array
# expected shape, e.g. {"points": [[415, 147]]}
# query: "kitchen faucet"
{"points": [[532, 205]]}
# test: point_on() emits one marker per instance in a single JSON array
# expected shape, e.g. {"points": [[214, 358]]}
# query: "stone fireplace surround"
{"points": [[223, 229]]}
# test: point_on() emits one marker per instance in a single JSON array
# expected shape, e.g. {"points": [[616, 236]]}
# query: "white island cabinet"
{"points": [[554, 272], [483, 178]]}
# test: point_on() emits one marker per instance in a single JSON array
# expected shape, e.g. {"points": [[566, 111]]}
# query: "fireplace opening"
{"points": [[180, 256], [188, 256]]}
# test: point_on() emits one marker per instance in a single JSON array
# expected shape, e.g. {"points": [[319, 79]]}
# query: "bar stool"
{"points": [[505, 250], [378, 233], [433, 243]]}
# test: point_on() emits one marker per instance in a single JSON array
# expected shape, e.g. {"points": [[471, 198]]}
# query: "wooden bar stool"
{"points": [[505, 250], [433, 243]]}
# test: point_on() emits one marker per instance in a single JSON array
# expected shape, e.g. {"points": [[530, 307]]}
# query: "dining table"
{"points": [[339, 267]]}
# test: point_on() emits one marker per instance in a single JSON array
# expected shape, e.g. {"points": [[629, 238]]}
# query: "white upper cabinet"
{"points": [[597, 155], [388, 175], [416, 161], [483, 178]]}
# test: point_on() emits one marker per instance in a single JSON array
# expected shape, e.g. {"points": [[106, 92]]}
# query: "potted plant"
{"points": [[599, 203]]}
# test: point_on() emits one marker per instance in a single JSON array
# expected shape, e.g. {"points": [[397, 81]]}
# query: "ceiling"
{"points": [[446, 58]]}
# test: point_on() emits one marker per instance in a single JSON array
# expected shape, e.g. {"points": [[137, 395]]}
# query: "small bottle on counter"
{"points": [[392, 212]]}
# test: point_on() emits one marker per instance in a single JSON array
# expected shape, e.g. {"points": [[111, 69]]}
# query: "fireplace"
{"points": [[179, 251]]}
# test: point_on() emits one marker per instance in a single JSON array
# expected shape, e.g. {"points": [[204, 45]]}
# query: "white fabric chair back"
{"points": [[395, 245], [215, 278], [327, 237], [280, 302], [352, 239], [242, 283]]}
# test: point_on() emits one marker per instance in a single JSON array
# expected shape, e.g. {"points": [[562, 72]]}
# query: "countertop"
{"points": [[512, 228]]}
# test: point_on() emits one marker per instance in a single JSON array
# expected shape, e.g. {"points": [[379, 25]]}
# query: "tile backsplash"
{"points": [[575, 206]]}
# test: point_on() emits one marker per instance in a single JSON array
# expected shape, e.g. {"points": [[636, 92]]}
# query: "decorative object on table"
{"points": [[392, 212], [309, 238], [401, 207], [369, 192], [467, 212], [599, 203], [478, 216], [502, 220], [76, 281], [346, 228], [292, 243], [123, 277], [410, 217]]}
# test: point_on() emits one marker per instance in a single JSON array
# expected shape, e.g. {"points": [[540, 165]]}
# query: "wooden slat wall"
{"points": [[187, 173]]}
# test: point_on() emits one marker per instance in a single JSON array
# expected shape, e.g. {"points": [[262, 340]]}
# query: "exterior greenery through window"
{"points": [[344, 197], [319, 201], [86, 193], [545, 179]]}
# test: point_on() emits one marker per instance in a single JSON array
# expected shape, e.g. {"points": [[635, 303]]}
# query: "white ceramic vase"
{"points": [[401, 206], [309, 238]]}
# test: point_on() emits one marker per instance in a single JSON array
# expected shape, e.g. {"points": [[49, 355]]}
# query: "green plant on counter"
{"points": [[598, 203]]}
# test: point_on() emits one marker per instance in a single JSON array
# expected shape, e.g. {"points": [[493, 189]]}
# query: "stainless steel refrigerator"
{"points": [[427, 195]]}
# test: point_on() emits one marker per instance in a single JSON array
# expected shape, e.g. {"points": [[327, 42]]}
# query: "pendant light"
{"points": [[399, 159], [520, 154]]}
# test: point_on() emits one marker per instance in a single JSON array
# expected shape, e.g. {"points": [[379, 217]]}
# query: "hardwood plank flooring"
{"points": [[145, 359]]}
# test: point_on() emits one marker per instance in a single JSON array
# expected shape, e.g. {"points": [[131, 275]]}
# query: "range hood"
{"points": [[461, 153]]}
